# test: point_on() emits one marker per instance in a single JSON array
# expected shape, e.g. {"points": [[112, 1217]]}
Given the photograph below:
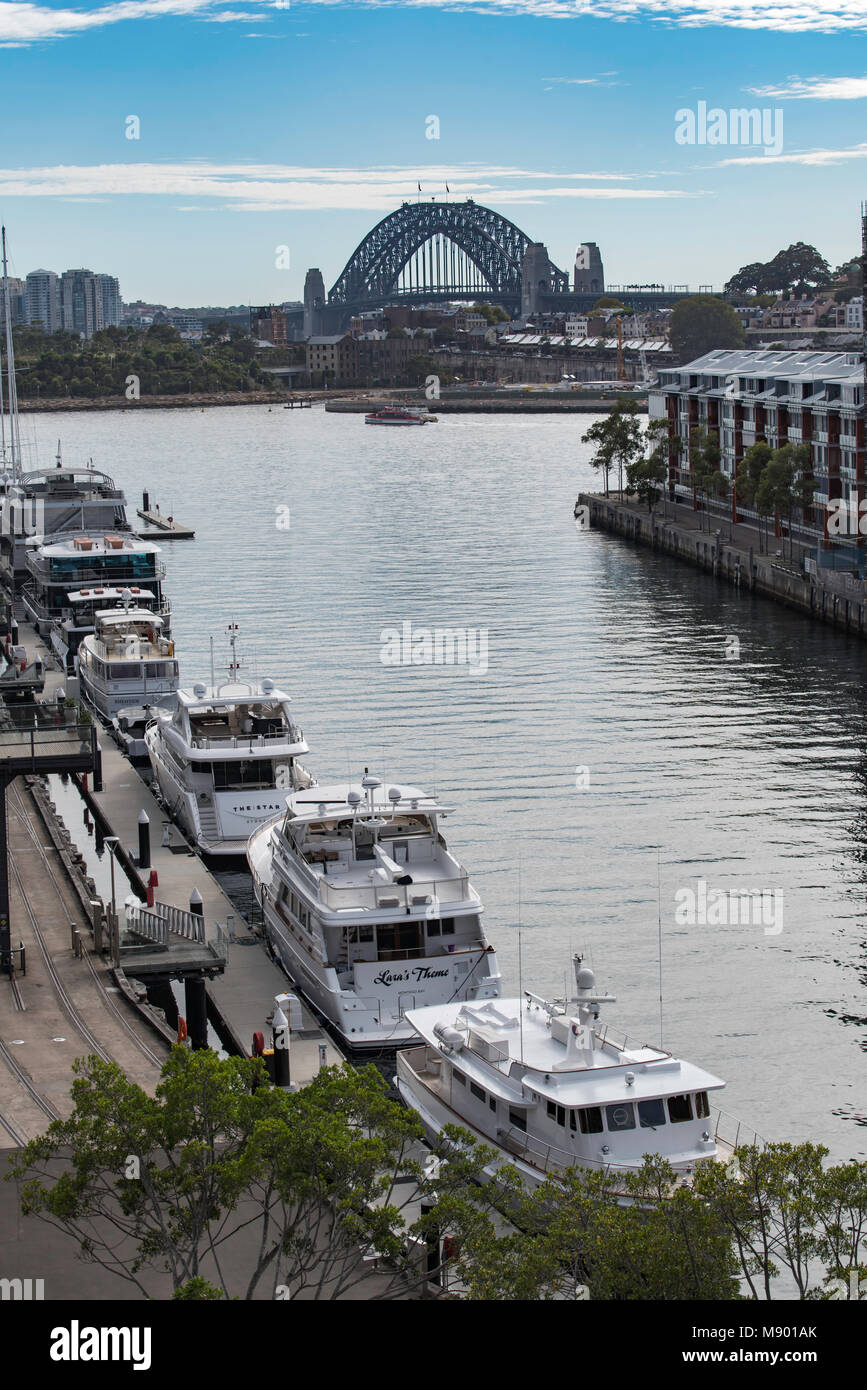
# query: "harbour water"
{"points": [[613, 740]]}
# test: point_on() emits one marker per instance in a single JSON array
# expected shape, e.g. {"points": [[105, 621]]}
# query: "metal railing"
{"points": [[49, 742], [45, 567], [250, 742], [158, 921], [335, 894]]}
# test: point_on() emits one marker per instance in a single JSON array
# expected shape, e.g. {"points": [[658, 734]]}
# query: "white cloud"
{"points": [[276, 187], [597, 81], [229, 16], [816, 89], [806, 157], [22, 21]]}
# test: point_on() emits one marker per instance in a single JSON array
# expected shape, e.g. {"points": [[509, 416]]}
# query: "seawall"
{"points": [[834, 597]]}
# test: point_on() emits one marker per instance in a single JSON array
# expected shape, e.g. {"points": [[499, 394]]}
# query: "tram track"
{"points": [[19, 811]]}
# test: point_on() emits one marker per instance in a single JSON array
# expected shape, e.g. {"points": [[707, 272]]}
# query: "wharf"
{"points": [[505, 403], [244, 996], [165, 527], [732, 552]]}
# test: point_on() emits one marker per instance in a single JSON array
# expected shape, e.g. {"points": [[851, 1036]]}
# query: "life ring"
{"points": [[182, 1029]]}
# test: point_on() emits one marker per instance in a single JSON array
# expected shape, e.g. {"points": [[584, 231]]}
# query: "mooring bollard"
{"points": [[144, 840], [196, 906], [96, 922], [280, 1034]]}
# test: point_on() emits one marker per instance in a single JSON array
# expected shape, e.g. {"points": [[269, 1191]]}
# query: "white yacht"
{"points": [[548, 1088], [64, 563], [368, 911], [127, 661], [78, 618], [224, 761]]}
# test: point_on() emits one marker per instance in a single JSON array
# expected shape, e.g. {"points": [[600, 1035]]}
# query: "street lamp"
{"points": [[111, 841]]}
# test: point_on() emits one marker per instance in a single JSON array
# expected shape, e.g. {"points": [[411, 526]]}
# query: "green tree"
{"points": [[315, 1179], [749, 474], [646, 476], [618, 440], [784, 1210], [799, 268], [702, 323], [704, 459], [785, 486], [575, 1230]]}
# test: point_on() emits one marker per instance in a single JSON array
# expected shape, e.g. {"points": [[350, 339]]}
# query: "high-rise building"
{"points": [[81, 300], [16, 300], [589, 277], [42, 300], [108, 291]]}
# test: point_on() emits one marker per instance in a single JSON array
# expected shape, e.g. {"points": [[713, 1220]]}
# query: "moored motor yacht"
{"points": [[225, 759], [127, 661], [549, 1088], [369, 912]]}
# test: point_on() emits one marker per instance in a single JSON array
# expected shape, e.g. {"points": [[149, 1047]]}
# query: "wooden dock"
{"points": [[299, 403], [165, 528]]}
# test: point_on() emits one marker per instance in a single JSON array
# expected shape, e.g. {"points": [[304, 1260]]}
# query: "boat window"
{"points": [[124, 670], [161, 669], [477, 1091], [459, 1076], [492, 1103], [395, 940], [518, 1120], [679, 1109], [365, 933], [620, 1117], [247, 774], [433, 926], [702, 1109], [448, 926], [557, 1113], [590, 1120], [651, 1113]]}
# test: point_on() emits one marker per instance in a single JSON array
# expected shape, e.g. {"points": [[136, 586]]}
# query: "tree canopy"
{"points": [[799, 268], [702, 323]]}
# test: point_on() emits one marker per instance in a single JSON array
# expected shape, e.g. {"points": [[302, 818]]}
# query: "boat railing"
{"points": [[418, 894], [732, 1132], [612, 1036], [43, 567], [248, 743]]}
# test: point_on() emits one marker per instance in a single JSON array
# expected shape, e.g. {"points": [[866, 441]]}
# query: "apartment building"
{"points": [[814, 398]]}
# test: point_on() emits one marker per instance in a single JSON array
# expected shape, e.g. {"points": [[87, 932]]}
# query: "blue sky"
{"points": [[264, 125]]}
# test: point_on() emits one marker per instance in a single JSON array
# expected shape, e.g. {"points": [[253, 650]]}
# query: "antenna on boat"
{"points": [[520, 963], [659, 942], [213, 677]]}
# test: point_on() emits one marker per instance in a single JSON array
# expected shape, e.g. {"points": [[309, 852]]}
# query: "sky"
{"points": [[271, 137]]}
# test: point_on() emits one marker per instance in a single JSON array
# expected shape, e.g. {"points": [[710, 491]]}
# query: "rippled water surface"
{"points": [[748, 773]]}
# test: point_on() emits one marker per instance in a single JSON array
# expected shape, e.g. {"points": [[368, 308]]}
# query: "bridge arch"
{"points": [[431, 239]]}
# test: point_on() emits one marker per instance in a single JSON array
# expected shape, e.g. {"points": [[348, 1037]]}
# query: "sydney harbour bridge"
{"points": [[426, 252]]}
